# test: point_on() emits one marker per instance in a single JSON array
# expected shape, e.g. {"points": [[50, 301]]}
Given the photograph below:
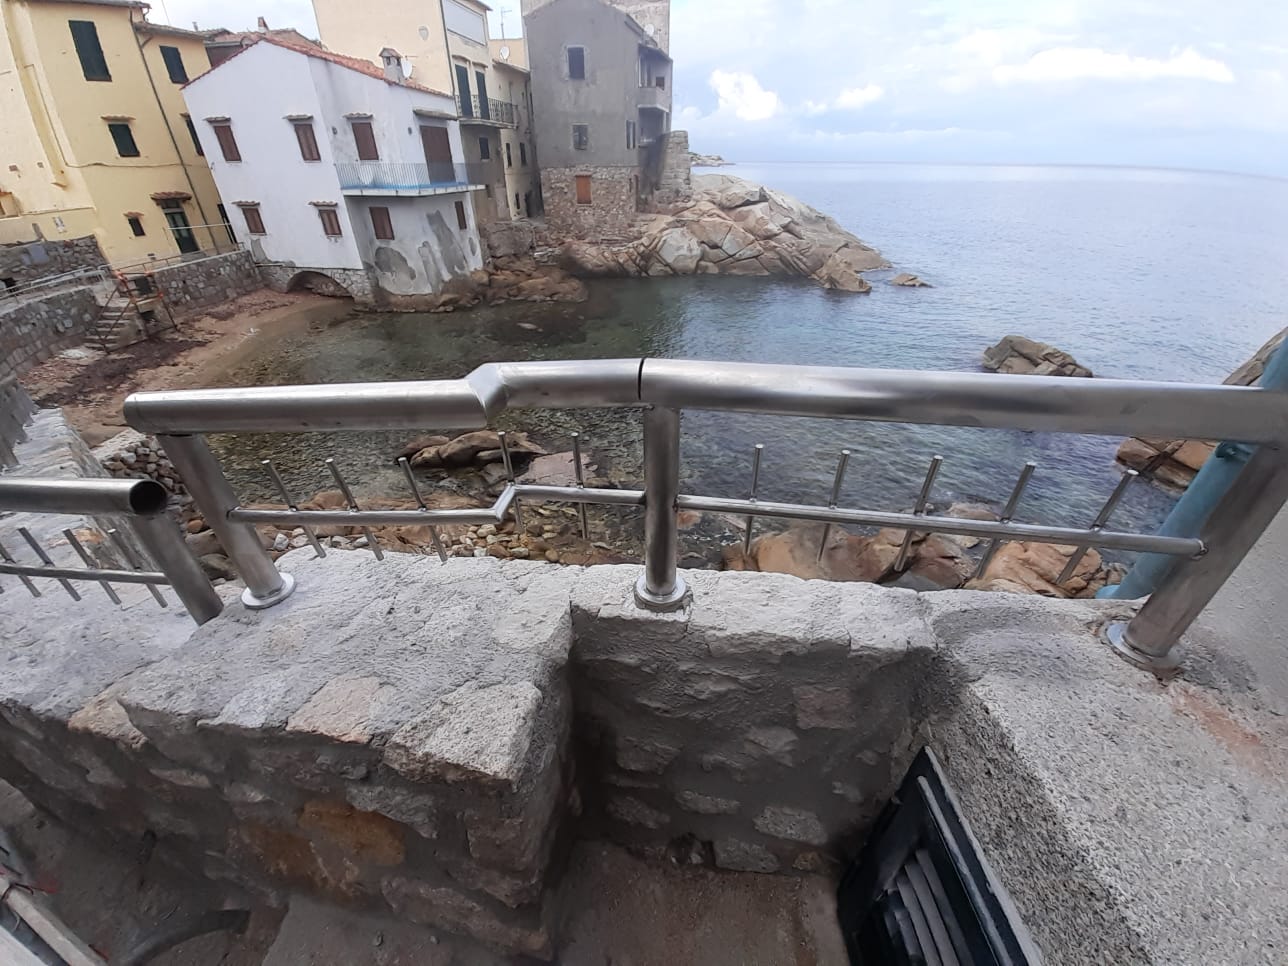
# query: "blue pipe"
{"points": [[1204, 493]]}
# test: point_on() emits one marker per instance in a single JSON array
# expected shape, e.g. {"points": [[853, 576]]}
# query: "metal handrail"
{"points": [[405, 176], [665, 387], [485, 109], [143, 503]]}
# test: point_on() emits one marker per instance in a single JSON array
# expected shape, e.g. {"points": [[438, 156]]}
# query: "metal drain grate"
{"points": [[921, 894]]}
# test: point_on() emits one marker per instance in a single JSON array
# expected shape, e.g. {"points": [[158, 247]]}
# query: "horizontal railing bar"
{"points": [[72, 573], [1109, 539], [95, 497], [533, 493], [1109, 407], [364, 518]]}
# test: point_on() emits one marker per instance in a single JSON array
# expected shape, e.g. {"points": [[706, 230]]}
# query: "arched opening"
{"points": [[317, 283]]}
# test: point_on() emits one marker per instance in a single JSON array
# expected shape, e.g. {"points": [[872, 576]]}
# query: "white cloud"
{"points": [[857, 98], [741, 94], [1092, 63]]}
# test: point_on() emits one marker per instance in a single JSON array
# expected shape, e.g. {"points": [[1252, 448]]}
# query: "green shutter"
{"points": [[89, 50]]}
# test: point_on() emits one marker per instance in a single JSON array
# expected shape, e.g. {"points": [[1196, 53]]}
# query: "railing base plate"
{"points": [[1115, 635], [676, 599], [251, 602]]}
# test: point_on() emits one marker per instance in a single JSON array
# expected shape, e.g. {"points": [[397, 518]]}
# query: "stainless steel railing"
{"points": [[142, 503], [663, 388]]}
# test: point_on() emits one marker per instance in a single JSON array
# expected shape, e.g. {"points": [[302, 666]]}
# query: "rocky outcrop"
{"points": [[708, 160], [1021, 356], [908, 280], [512, 278], [507, 238], [479, 447], [1035, 568], [733, 227], [1175, 462]]}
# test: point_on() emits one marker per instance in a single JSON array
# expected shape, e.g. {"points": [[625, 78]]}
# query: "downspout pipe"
{"points": [[1204, 493]]}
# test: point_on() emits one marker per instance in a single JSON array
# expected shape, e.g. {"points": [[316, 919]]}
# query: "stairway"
{"points": [[129, 315]]}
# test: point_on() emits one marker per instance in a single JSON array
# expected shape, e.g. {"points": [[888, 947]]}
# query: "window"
{"points": [[255, 221], [174, 64], [124, 138], [509, 161], [583, 189], [517, 209], [630, 135], [307, 140], [89, 50], [365, 138], [223, 216], [581, 136], [330, 222], [485, 149], [227, 143], [136, 225], [381, 223], [461, 221], [192, 132], [576, 63], [523, 153]]}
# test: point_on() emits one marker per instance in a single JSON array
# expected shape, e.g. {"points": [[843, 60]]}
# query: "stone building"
{"points": [[601, 91], [445, 45]]}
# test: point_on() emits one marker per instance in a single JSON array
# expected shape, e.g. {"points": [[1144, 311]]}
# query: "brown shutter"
{"points": [[381, 223], [583, 189], [330, 222], [365, 138], [254, 223], [461, 221], [308, 141], [227, 143]]}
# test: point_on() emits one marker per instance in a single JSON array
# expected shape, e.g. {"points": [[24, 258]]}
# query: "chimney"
{"points": [[392, 62], [261, 26]]}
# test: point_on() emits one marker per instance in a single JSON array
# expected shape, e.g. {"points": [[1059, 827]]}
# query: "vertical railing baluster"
{"points": [[1008, 513], [133, 561], [26, 581], [509, 475], [901, 561], [39, 551], [420, 503], [661, 587], [835, 499], [1098, 524], [353, 505], [581, 483], [290, 503], [88, 561], [755, 486]]}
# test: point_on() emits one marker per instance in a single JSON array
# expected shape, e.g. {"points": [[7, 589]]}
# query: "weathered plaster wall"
{"points": [[33, 329], [670, 170]]}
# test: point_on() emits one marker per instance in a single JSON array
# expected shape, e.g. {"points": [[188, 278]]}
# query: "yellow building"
{"points": [[93, 135], [446, 45]]}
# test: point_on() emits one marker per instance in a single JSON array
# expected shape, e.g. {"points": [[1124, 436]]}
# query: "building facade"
{"points": [[94, 132], [445, 46], [337, 170], [601, 91]]}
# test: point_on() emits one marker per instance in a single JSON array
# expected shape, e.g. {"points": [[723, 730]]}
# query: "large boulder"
{"points": [[1035, 568], [504, 238], [1015, 354], [841, 271], [726, 191], [678, 250]]}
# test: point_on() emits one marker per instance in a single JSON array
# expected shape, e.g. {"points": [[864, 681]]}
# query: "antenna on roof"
{"points": [[501, 12]]}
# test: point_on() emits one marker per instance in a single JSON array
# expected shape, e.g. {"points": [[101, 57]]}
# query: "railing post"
{"points": [[660, 587], [205, 480], [1252, 502], [160, 538]]}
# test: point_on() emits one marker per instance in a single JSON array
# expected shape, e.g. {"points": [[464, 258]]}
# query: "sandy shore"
{"points": [[91, 385]]}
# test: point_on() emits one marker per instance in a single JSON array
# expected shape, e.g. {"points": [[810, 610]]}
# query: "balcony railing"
{"points": [[486, 109], [664, 387], [406, 177], [652, 97]]}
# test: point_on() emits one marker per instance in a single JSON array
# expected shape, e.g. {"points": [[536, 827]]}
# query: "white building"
{"points": [[334, 169]]}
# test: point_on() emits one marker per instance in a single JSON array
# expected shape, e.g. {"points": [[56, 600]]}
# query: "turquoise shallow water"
{"points": [[1145, 274]]}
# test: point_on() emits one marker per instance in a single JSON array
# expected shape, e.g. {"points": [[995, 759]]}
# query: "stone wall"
{"points": [[33, 329], [613, 195], [31, 261], [336, 282], [209, 281], [671, 170]]}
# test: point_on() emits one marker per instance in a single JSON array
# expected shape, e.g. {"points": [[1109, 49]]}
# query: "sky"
{"points": [[1168, 83]]}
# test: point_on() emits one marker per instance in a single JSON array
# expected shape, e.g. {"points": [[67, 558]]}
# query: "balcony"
{"points": [[486, 110], [367, 178], [653, 98]]}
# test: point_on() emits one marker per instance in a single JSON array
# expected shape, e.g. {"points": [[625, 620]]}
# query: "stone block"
{"points": [[634, 812], [692, 801], [739, 856], [446, 908], [339, 710], [824, 707], [794, 824], [645, 755]]}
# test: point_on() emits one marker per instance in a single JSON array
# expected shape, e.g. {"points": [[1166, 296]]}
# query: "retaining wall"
{"points": [[32, 261], [33, 329], [209, 281]]}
